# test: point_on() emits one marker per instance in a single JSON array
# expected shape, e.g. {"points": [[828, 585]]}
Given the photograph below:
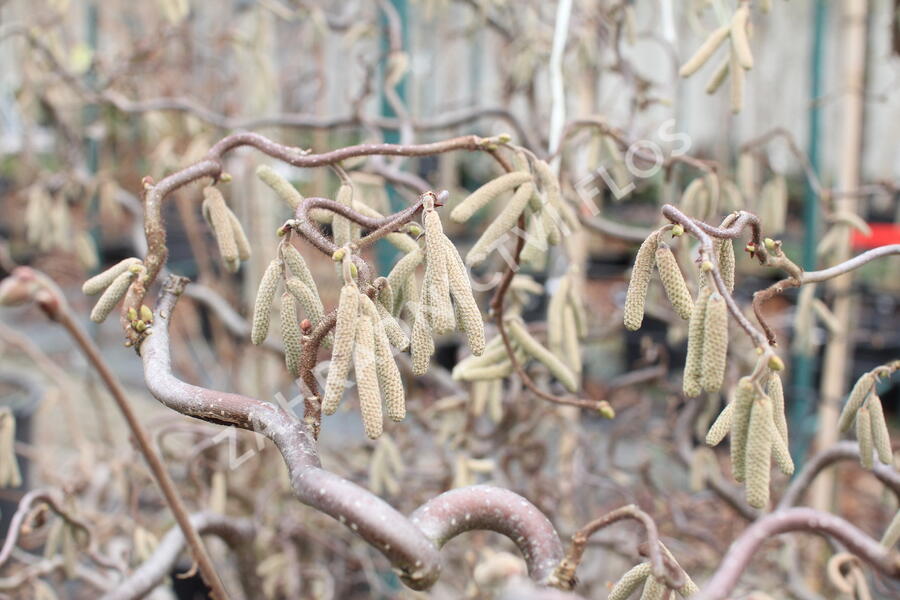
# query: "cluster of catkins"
{"points": [[654, 587], [113, 283], [864, 406], [230, 237], [739, 59], [758, 428]]}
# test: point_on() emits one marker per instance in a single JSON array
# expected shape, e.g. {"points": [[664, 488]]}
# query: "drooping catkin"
{"points": [[534, 253], [739, 40], [500, 225], [112, 295], [308, 300], [389, 378], [10, 476], [469, 316], [775, 391], [101, 281], [340, 225], [290, 333], [296, 264], [262, 308], [480, 197], [654, 589], [394, 332], [881, 438], [534, 349], [281, 186], [719, 76], [726, 262], [737, 82], [630, 581], [715, 344], [401, 272], [562, 214], [858, 394], [421, 343], [759, 452], [892, 533], [636, 295], [782, 454], [571, 347], [740, 423], [705, 51], [673, 281], [774, 205], [342, 351], [721, 426], [555, 315], [693, 363], [240, 237], [216, 212], [436, 274], [864, 436], [367, 378]]}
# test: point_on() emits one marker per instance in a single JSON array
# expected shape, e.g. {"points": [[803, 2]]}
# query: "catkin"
{"points": [[263, 307], [721, 426], [858, 394], [636, 296], [572, 349], [282, 188], [340, 225], [290, 333], [110, 298], [705, 51], [240, 237], [774, 205], [881, 438], [737, 83], [296, 264], [759, 452], [673, 281], [436, 275], [389, 379], [726, 262], [394, 332], [550, 186], [308, 300], [864, 436], [715, 344], [654, 589], [782, 454], [739, 41], [342, 352], [630, 581], [401, 273], [367, 378], [421, 343], [216, 212], [740, 422], [101, 281], [503, 223], [718, 77], [480, 197], [469, 317], [10, 476], [775, 391], [693, 364], [892, 533], [534, 349], [534, 253], [555, 315]]}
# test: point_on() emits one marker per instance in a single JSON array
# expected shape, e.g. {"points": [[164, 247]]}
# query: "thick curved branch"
{"points": [[746, 546]]}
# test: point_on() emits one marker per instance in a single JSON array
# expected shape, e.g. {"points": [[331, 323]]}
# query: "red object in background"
{"points": [[882, 235]]}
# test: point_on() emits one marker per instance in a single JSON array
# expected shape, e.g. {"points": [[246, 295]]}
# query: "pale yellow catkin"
{"points": [[562, 214], [693, 363], [308, 300], [858, 394], [262, 308], [342, 351], [782, 454], [673, 281], [111, 296], [705, 51], [740, 423], [654, 589], [394, 332], [480, 197], [281, 186], [296, 264], [718, 77], [636, 296], [533, 348], [494, 351], [572, 349], [555, 315], [216, 211], [367, 378], [775, 391], [892, 533], [401, 272], [726, 262], [715, 344], [864, 436], [739, 40], [340, 225], [421, 343], [690, 202], [534, 253], [436, 274], [881, 438], [721, 426], [240, 237], [759, 452], [774, 205], [500, 225], [389, 379], [469, 316], [101, 281], [10, 475], [630, 581], [290, 333], [737, 83]]}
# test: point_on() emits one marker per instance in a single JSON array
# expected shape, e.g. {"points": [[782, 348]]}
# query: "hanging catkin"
{"points": [[240, 237], [534, 349], [296, 264], [101, 281], [342, 351], [864, 436], [630, 581], [721, 426], [715, 344], [389, 379], [739, 41], [640, 278], [469, 316], [480, 197], [263, 306], [673, 281], [737, 82], [555, 315], [113, 294], [217, 214], [719, 76], [705, 51], [290, 333], [858, 394], [441, 313], [881, 438], [694, 364], [367, 378], [759, 452], [282, 188], [726, 262], [654, 589], [340, 225], [892, 533], [401, 273], [502, 224], [10, 476], [775, 391], [421, 344], [307, 299], [740, 423]]}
